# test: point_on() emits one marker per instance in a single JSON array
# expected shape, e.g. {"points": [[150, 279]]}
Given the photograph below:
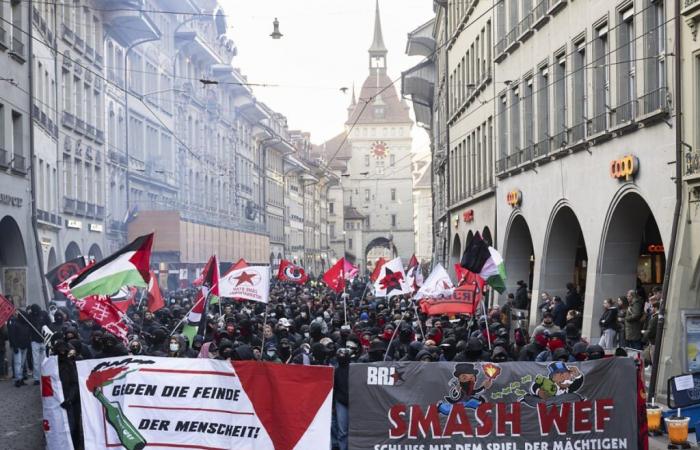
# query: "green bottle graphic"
{"points": [[129, 436]]}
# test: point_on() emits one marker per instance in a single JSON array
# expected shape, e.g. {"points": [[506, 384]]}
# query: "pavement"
{"points": [[20, 417]]}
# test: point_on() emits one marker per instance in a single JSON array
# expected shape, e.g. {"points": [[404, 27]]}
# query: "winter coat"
{"points": [[650, 333], [521, 300], [608, 321], [19, 332], [633, 321], [341, 390], [38, 318], [573, 300], [559, 313]]}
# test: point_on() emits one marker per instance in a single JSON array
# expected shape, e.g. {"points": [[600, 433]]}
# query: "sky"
{"points": [[324, 48]]}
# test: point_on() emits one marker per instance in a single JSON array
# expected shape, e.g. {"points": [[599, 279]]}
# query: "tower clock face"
{"points": [[380, 150]]}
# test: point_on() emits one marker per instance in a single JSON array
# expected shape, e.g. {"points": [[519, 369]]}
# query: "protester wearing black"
{"points": [[19, 333], [521, 296], [573, 299]]}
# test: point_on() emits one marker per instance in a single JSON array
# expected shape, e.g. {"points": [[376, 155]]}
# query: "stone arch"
{"points": [[377, 244], [518, 252], [455, 254], [72, 251], [95, 252], [12, 244], [470, 236], [52, 260], [625, 260], [565, 256]]}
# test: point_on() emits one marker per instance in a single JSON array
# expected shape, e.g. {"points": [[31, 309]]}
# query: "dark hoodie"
{"points": [[38, 318]]}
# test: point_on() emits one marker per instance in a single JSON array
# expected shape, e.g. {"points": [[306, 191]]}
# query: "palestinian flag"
{"points": [[196, 318], [210, 278], [127, 267], [486, 262]]}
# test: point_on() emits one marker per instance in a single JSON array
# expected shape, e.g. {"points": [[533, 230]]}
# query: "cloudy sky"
{"points": [[323, 49]]}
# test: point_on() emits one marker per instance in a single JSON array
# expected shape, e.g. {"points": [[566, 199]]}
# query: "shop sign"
{"points": [[655, 248], [74, 224], [468, 216], [96, 227], [514, 198], [9, 200], [625, 168]]}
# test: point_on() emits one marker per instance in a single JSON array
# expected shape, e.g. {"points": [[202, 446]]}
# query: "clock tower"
{"points": [[376, 184]]}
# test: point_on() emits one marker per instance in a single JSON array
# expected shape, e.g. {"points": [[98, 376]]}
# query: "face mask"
{"points": [[306, 335], [270, 353], [174, 347]]}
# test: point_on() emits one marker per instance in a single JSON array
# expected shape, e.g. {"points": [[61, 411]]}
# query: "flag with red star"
{"points": [[392, 280], [335, 276], [247, 283]]}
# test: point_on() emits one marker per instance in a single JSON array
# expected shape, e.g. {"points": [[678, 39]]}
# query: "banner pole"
{"points": [[420, 323], [262, 346], [30, 324], [394, 335]]}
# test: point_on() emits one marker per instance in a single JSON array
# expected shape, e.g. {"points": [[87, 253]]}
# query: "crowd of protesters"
{"points": [[307, 324]]}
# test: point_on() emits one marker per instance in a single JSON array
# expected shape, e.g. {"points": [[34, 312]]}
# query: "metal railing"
{"points": [[655, 100], [91, 210], [599, 123], [692, 162], [80, 126], [79, 43], [69, 205], [689, 3], [541, 148], [68, 119], [19, 163], [80, 207], [501, 165], [501, 46], [67, 33], [513, 160], [559, 140], [540, 10], [525, 24], [512, 36], [3, 158], [17, 47], [625, 112], [3, 35], [578, 132]]}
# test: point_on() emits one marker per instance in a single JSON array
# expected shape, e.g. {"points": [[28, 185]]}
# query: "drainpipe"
{"points": [[447, 132], [679, 198], [32, 169]]}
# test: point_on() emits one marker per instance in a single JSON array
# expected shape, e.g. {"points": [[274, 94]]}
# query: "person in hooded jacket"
{"points": [[534, 348], [193, 351], [20, 341], [111, 346], [341, 395], [38, 318], [68, 374]]}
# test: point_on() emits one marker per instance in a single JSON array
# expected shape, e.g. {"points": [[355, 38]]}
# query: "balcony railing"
{"points": [[80, 207], [80, 126], [599, 123], [67, 33], [69, 205], [541, 148], [513, 160], [91, 131], [99, 212], [689, 3], [90, 210], [624, 113], [692, 162], [3, 158], [578, 132], [3, 35], [540, 10], [99, 136], [79, 43], [512, 37], [654, 101], [501, 46], [559, 140], [18, 47], [98, 59], [524, 26], [68, 119], [19, 163]]}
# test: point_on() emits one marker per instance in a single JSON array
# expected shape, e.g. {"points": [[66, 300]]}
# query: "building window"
{"points": [[366, 160], [17, 139], [528, 124], [393, 220], [331, 228], [393, 194], [560, 103], [580, 92], [601, 74], [331, 208], [655, 61], [624, 112], [349, 243], [502, 128], [367, 195], [515, 144], [392, 160]]}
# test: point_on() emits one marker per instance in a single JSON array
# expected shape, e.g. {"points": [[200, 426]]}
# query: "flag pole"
{"points": [[486, 321], [393, 335], [185, 317], [420, 323]]}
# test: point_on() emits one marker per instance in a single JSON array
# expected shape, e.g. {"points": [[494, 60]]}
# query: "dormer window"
{"points": [[379, 112]]}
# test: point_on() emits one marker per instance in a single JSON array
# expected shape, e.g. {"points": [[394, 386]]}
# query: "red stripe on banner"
{"points": [[202, 447], [173, 408], [193, 372]]}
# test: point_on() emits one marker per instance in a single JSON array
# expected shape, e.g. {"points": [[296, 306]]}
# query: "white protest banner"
{"points": [[55, 421], [134, 402], [249, 283]]}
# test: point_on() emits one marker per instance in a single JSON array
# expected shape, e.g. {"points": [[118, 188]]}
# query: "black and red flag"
{"points": [[291, 272]]}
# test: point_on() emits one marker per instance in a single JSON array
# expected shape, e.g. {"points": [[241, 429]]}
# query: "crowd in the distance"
{"points": [[306, 324]]}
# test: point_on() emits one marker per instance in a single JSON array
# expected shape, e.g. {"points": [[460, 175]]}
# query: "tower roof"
{"points": [[378, 46]]}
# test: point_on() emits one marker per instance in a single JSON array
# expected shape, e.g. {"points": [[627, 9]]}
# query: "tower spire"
{"points": [[377, 51], [354, 101]]}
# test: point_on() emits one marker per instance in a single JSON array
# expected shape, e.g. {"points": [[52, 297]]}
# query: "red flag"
{"points": [[6, 310], [377, 269], [334, 277], [414, 271], [155, 299], [241, 264], [210, 275], [465, 298], [461, 273], [98, 308], [290, 272]]}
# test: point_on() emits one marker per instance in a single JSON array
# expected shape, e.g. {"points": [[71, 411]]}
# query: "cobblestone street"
{"points": [[20, 417]]}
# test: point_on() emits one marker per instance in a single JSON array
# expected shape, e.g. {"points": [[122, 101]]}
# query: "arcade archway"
{"points": [[632, 253], [13, 262], [380, 247], [565, 257], [519, 255], [72, 251], [95, 253]]}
